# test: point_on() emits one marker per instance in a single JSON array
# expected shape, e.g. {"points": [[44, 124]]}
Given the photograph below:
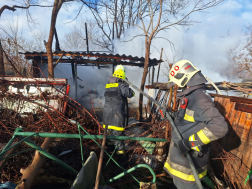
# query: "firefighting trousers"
{"points": [[119, 144], [183, 185]]}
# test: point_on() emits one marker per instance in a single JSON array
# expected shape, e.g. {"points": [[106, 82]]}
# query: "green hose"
{"points": [[133, 169], [208, 182]]}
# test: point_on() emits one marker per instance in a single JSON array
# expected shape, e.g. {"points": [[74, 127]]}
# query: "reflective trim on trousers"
{"points": [[114, 128], [182, 175], [120, 152]]}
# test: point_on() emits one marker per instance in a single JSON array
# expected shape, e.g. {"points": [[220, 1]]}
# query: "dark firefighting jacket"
{"points": [[116, 93], [201, 120]]}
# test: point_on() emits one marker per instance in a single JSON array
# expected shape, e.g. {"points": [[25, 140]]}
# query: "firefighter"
{"points": [[198, 121], [116, 94]]}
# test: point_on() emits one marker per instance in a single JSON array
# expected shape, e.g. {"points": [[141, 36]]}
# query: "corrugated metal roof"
{"points": [[83, 55]]}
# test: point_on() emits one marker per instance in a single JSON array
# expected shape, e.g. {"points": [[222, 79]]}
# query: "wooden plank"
{"points": [[232, 113], [247, 152], [234, 98], [239, 131], [250, 137], [231, 133], [219, 104], [246, 129], [216, 99], [236, 119], [243, 107], [241, 123], [233, 142], [229, 115], [238, 140], [247, 156], [225, 106], [228, 108]]}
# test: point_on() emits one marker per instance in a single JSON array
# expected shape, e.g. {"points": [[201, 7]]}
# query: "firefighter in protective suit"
{"points": [[198, 121], [116, 94]]}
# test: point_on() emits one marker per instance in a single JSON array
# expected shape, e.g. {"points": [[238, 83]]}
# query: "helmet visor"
{"points": [[186, 68], [179, 75]]}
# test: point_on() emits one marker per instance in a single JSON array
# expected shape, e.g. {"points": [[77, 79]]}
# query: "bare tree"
{"points": [[151, 16], [13, 42], [160, 15], [241, 57], [56, 7], [26, 4], [112, 16], [23, 4], [75, 39]]}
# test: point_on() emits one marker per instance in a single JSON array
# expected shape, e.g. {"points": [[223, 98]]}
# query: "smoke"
{"points": [[90, 85], [205, 43]]}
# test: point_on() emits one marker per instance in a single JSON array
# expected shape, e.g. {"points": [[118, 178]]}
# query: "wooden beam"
{"points": [[234, 98], [243, 107]]}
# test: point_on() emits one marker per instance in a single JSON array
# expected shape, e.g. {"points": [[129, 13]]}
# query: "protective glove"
{"points": [[126, 84], [186, 145], [183, 146]]}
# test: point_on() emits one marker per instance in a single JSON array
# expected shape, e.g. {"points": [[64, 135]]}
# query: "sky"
{"points": [[205, 43]]}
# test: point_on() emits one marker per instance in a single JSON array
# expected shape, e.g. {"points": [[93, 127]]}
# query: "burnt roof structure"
{"points": [[91, 59]]}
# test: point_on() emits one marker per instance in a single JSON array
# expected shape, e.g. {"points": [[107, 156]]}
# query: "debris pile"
{"points": [[51, 113]]}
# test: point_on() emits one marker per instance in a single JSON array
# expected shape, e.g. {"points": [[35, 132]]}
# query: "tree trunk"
{"points": [[145, 72], [56, 7], [2, 72], [34, 169]]}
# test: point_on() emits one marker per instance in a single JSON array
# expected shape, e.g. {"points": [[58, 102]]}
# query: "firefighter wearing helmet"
{"points": [[198, 121], [116, 94]]}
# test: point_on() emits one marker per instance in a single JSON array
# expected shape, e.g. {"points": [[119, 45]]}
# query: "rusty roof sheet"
{"points": [[79, 54]]}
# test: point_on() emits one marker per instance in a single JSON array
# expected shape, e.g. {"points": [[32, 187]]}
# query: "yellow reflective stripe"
{"points": [[196, 148], [189, 118], [203, 137], [114, 128], [182, 175], [111, 85], [120, 152], [192, 138]]}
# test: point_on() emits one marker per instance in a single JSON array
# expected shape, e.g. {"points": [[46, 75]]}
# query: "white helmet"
{"points": [[181, 73], [120, 67]]}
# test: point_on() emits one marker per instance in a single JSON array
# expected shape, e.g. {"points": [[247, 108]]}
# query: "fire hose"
{"points": [[174, 128]]}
